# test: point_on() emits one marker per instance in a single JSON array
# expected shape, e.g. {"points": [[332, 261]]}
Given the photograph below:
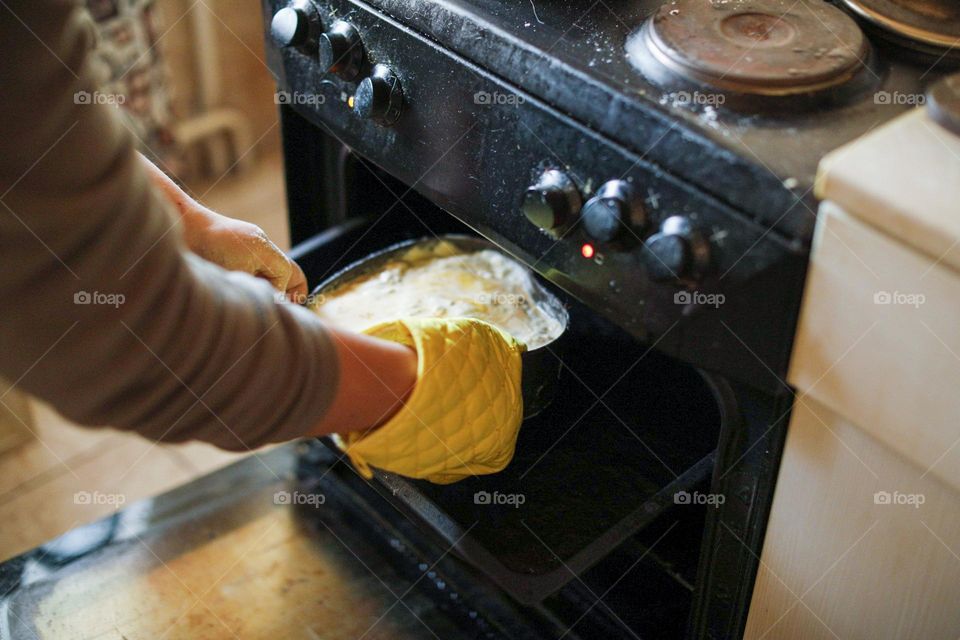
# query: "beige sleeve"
{"points": [[103, 313]]}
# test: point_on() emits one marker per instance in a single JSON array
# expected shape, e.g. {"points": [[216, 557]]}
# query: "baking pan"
{"points": [[541, 366]]}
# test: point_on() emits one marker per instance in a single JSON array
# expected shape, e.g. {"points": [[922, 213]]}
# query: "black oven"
{"points": [[635, 501], [674, 226], [643, 488]]}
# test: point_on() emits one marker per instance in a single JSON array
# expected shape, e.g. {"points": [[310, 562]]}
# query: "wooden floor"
{"points": [[66, 475]]}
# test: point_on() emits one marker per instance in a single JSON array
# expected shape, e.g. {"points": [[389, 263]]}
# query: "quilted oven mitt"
{"points": [[464, 413]]}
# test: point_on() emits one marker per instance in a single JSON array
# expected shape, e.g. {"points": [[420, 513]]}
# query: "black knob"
{"points": [[553, 202], [340, 50], [297, 25], [677, 252], [669, 257], [613, 212], [379, 97]]}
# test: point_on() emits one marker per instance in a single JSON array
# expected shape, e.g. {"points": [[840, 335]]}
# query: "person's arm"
{"points": [[104, 313], [233, 244], [367, 364]]}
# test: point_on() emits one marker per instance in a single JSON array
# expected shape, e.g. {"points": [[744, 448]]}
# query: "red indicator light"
{"points": [[587, 251]]}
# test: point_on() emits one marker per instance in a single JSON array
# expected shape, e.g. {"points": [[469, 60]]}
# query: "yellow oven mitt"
{"points": [[463, 415]]}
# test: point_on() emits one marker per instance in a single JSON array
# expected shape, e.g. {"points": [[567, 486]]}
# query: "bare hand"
{"points": [[241, 246], [233, 244]]}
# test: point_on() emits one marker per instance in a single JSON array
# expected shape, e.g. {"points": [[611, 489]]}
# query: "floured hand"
{"points": [[232, 244]]}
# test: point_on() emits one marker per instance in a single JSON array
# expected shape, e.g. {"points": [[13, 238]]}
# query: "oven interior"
{"points": [[591, 529]]}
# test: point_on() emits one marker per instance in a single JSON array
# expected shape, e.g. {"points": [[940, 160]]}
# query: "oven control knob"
{"points": [[379, 97], [677, 252], [297, 25], [553, 202], [340, 50], [613, 210]]}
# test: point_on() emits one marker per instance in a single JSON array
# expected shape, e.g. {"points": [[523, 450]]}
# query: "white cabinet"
{"points": [[864, 534]]}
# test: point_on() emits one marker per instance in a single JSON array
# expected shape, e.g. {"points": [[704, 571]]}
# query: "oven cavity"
{"points": [[608, 493]]}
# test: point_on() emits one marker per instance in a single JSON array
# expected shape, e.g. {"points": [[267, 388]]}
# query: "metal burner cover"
{"points": [[765, 47], [930, 22]]}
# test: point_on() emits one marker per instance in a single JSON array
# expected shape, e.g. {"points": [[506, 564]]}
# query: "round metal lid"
{"points": [[767, 47], [930, 22]]}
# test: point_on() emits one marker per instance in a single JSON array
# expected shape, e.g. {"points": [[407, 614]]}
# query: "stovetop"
{"points": [[715, 195], [584, 59]]}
